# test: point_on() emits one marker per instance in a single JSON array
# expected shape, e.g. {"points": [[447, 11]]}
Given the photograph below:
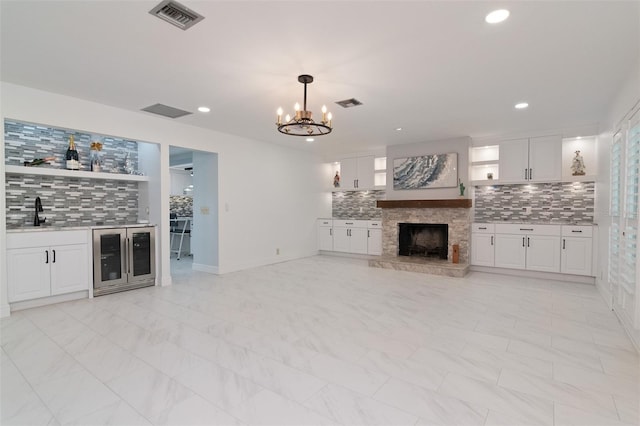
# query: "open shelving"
{"points": [[47, 171]]}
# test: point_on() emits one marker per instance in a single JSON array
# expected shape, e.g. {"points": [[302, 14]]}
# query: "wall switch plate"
{"points": [[204, 210]]}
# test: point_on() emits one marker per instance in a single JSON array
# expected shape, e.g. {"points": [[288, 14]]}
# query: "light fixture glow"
{"points": [[302, 124], [398, 129], [497, 16], [309, 139], [579, 137], [521, 105], [204, 109]]}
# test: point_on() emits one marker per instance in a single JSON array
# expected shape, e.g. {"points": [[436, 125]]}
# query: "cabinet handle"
{"points": [[526, 229], [355, 185], [530, 174], [525, 174], [492, 240], [482, 227], [575, 230], [127, 256], [522, 241], [54, 256], [528, 242], [47, 260], [331, 232], [348, 223], [368, 235], [563, 244]]}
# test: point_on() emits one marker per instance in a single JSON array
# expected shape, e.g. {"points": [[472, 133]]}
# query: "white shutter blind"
{"points": [[616, 174], [628, 269], [632, 169], [614, 252]]}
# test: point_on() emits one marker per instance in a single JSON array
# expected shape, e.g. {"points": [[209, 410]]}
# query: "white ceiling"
{"points": [[436, 69]]}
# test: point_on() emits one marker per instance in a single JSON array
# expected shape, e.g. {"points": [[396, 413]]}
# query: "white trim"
{"points": [[43, 301], [205, 268], [5, 311], [535, 274]]}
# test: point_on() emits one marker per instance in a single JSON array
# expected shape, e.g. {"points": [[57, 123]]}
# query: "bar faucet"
{"points": [[36, 220]]}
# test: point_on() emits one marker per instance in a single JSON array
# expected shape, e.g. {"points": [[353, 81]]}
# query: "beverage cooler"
{"points": [[123, 259]]}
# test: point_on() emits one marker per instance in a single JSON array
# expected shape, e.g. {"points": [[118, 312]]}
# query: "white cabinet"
{"points": [[577, 248], [532, 247], [325, 234], [357, 173], [46, 263], [350, 236], [374, 238], [531, 160], [181, 182], [482, 244]]}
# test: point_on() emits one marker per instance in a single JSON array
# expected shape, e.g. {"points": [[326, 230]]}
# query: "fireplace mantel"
{"points": [[456, 203]]}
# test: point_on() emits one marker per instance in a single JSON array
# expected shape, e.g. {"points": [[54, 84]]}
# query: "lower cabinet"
{"points": [[350, 236], [46, 263], [482, 244], [532, 247], [325, 234], [577, 249], [374, 238]]}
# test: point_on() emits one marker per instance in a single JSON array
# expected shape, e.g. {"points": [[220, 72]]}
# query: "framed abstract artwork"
{"points": [[426, 172]]}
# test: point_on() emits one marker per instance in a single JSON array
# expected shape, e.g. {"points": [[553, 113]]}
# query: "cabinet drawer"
{"points": [[483, 228], [350, 223], [374, 224], [46, 238], [577, 231], [325, 223], [526, 229]]}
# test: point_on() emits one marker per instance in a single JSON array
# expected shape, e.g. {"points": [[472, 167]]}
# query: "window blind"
{"points": [[616, 174]]}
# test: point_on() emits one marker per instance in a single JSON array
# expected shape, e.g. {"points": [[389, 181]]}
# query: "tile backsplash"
{"points": [[67, 201], [182, 205], [558, 202], [25, 142], [356, 204]]}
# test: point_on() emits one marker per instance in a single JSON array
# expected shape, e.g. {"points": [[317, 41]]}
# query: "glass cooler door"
{"points": [[109, 259]]}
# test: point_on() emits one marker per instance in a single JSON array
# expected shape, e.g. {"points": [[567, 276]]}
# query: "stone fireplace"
{"points": [[455, 214]]}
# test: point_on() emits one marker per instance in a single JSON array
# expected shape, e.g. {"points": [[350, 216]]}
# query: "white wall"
{"points": [[205, 233], [458, 145], [273, 193]]}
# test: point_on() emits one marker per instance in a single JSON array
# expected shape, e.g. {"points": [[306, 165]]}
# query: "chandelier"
{"points": [[302, 124]]}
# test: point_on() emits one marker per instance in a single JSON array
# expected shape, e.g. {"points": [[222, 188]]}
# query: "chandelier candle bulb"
{"points": [[302, 123], [279, 112], [296, 107]]}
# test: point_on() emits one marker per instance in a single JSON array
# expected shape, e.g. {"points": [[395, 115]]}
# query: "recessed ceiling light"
{"points": [[579, 137], [497, 16], [204, 109], [310, 139], [522, 105], [398, 129]]}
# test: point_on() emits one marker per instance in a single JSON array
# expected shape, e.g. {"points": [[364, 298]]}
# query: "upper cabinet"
{"points": [[531, 160], [357, 173]]}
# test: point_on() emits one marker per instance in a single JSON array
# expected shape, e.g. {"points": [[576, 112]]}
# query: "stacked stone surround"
{"points": [[458, 219]]}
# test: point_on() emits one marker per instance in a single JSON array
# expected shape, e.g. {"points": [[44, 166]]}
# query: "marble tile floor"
{"points": [[323, 341]]}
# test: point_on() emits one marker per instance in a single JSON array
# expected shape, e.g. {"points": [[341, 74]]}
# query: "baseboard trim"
{"points": [[205, 268], [5, 311], [535, 274], [43, 301]]}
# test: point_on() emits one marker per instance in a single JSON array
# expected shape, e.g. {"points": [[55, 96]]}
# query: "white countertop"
{"points": [[46, 228]]}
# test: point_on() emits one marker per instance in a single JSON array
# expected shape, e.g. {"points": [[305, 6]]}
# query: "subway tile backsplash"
{"points": [[67, 201], [356, 204], [558, 202]]}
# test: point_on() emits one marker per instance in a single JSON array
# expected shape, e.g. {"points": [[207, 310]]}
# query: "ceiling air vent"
{"points": [[166, 111], [176, 14], [348, 103]]}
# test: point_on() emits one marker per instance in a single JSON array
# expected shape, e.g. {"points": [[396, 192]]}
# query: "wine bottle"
{"points": [[73, 163]]}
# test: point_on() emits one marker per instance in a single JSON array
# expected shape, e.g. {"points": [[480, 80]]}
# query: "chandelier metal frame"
{"points": [[302, 124]]}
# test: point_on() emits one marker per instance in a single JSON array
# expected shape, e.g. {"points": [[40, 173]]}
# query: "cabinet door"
{"points": [[325, 238], [374, 242], [482, 253], [348, 173], [510, 251], [576, 256], [366, 175], [514, 160], [358, 240], [28, 273], [69, 268], [543, 253], [341, 239], [545, 159]]}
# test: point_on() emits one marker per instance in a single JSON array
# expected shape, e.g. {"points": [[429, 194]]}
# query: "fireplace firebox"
{"points": [[423, 240]]}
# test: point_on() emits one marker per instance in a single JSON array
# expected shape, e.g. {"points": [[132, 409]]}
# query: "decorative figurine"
{"points": [[577, 165], [95, 156], [336, 180], [128, 169], [462, 188]]}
